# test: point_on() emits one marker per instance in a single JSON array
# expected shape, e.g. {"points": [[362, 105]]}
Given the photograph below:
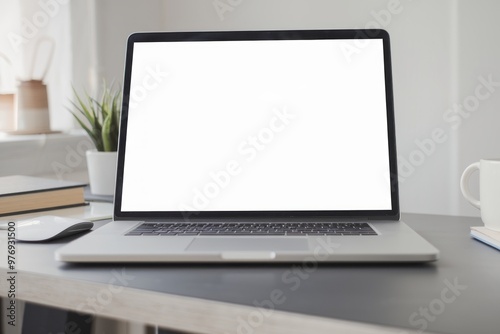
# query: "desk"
{"points": [[460, 293]]}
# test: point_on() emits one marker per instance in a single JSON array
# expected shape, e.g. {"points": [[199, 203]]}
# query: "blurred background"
{"points": [[446, 70]]}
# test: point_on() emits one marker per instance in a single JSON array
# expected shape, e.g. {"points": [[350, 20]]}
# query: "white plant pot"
{"points": [[102, 171]]}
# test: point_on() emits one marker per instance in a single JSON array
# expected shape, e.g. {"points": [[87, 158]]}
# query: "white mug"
{"points": [[489, 191]]}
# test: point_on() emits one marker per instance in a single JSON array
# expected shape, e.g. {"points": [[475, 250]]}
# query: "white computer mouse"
{"points": [[45, 228]]}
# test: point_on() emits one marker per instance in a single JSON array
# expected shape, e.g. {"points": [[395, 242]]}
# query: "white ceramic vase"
{"points": [[102, 171]]}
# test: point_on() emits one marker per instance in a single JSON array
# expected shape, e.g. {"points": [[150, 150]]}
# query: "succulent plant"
{"points": [[101, 117]]}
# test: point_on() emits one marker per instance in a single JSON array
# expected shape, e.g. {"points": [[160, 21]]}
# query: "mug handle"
{"points": [[464, 184]]}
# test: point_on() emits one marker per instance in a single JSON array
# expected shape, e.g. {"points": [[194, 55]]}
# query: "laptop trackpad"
{"points": [[215, 244]]}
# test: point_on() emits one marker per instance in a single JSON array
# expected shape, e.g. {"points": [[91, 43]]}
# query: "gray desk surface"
{"points": [[400, 295]]}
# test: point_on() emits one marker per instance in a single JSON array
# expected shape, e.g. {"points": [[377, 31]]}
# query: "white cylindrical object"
{"points": [[102, 172], [32, 112]]}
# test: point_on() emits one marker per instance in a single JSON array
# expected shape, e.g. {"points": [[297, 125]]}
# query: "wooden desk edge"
{"points": [[174, 312]]}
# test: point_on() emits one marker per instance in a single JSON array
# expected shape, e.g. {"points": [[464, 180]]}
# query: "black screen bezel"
{"points": [[393, 214]]}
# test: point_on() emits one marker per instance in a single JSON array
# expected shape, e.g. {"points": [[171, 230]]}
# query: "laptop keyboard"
{"points": [[260, 229]]}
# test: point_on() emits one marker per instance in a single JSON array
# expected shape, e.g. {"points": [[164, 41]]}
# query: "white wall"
{"points": [[479, 55], [100, 29], [439, 49], [22, 25]]}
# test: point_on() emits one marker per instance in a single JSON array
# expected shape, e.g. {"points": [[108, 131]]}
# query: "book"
{"points": [[23, 194], [483, 234]]}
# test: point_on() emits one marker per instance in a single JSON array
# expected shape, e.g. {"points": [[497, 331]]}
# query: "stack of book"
{"points": [[489, 237], [23, 194]]}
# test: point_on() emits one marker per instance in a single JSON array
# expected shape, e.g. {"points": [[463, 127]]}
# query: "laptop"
{"points": [[256, 146]]}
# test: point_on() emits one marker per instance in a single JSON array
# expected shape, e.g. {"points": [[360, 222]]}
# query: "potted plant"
{"points": [[100, 118]]}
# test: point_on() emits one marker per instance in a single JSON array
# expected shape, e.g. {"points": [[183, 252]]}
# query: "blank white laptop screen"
{"points": [[257, 126]]}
